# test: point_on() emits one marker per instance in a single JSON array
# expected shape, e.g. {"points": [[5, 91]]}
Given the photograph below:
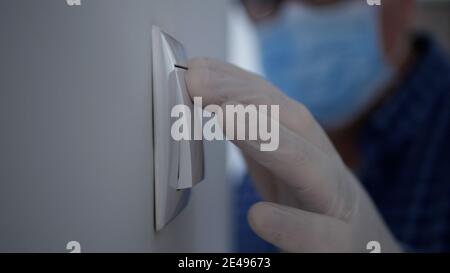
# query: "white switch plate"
{"points": [[179, 165]]}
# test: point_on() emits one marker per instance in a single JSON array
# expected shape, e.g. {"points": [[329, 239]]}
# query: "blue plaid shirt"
{"points": [[405, 166]]}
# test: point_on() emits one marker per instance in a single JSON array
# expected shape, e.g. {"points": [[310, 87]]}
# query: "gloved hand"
{"points": [[313, 201]]}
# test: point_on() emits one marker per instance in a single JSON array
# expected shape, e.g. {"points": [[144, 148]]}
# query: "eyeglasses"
{"points": [[261, 10]]}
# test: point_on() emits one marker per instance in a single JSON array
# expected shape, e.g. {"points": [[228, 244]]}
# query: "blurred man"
{"points": [[383, 97], [380, 93]]}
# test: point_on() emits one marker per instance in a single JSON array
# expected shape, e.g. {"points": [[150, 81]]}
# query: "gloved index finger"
{"points": [[217, 83]]}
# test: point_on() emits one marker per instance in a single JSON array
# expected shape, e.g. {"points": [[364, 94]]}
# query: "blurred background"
{"points": [[433, 17]]}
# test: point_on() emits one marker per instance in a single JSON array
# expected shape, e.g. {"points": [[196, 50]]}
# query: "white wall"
{"points": [[76, 145]]}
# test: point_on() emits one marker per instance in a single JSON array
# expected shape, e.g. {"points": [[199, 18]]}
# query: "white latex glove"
{"points": [[313, 201]]}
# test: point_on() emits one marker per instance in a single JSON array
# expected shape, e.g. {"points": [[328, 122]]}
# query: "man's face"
{"points": [[337, 57], [396, 19]]}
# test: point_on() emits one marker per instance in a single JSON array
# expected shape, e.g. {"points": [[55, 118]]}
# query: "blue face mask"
{"points": [[329, 59]]}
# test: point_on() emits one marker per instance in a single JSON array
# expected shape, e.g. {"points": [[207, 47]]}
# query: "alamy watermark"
{"points": [[373, 2], [73, 2], [239, 122]]}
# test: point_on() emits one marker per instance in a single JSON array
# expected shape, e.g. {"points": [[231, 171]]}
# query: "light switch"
{"points": [[179, 165]]}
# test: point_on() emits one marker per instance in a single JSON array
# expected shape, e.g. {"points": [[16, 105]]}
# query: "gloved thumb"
{"points": [[295, 230]]}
